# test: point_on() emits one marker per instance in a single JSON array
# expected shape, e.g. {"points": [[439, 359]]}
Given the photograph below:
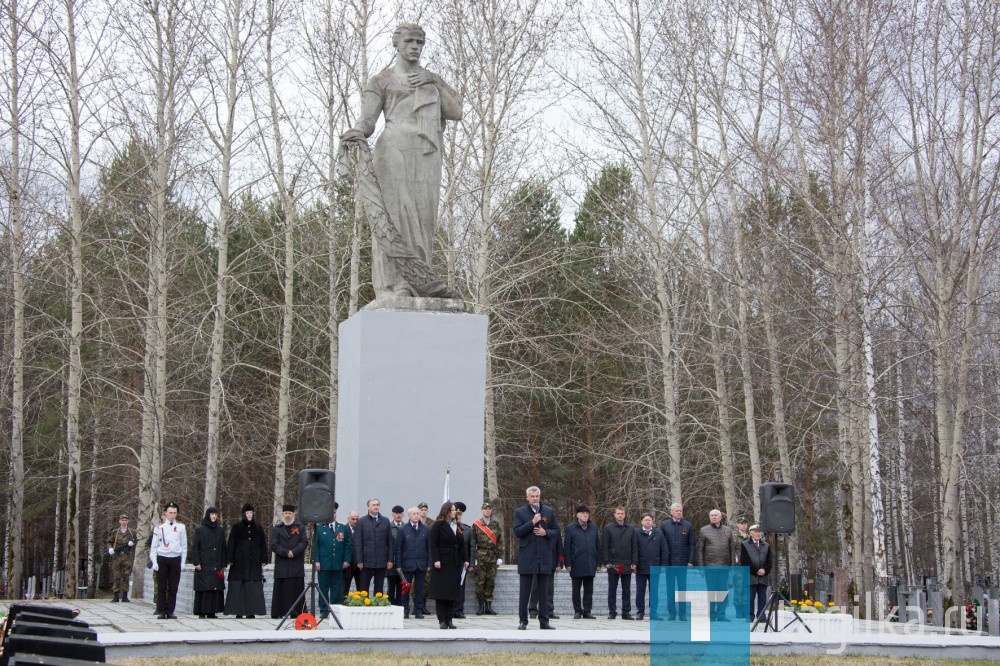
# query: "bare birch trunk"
{"points": [[14, 537], [287, 311], [777, 396], [76, 312], [225, 146]]}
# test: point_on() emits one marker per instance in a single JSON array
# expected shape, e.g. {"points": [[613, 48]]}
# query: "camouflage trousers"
{"points": [[741, 597], [486, 576], [121, 570]]}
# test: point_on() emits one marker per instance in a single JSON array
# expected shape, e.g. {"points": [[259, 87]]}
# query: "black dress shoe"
{"points": [[589, 616], [250, 617], [239, 617], [553, 616], [626, 616], [161, 616], [577, 616], [640, 616], [171, 616], [459, 616], [443, 625], [418, 616], [451, 625], [522, 626], [533, 616], [546, 626], [612, 616], [201, 617]]}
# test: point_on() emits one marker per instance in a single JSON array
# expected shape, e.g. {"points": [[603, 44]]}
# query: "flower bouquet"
{"points": [[360, 599]]}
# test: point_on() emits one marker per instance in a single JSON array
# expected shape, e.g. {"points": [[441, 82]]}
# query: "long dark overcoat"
{"points": [[582, 550], [535, 554], [286, 538], [209, 550], [247, 551], [446, 548]]}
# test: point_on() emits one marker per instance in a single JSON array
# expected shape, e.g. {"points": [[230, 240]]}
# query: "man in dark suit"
{"points": [[351, 573], [652, 553], [621, 554], [413, 558], [535, 525], [680, 545], [373, 548]]}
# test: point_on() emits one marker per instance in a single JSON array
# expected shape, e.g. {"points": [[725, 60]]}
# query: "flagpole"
{"points": [[447, 484]]}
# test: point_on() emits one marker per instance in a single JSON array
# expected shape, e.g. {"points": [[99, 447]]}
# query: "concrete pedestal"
{"points": [[412, 395]]}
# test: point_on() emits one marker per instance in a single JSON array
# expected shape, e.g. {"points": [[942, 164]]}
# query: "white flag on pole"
{"points": [[447, 484]]}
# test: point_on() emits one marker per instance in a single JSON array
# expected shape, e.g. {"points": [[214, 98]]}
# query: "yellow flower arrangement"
{"points": [[361, 599]]}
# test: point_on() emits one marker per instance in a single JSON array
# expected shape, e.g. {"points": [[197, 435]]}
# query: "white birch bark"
{"points": [[288, 207], [14, 535], [233, 51]]}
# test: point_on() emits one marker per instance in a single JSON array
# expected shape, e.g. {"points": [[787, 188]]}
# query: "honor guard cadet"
{"points": [[121, 545]]}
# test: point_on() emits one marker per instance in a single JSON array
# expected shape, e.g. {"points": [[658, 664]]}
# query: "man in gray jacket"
{"points": [[715, 549]]}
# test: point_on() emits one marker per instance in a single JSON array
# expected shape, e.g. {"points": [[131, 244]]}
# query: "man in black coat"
{"points": [[680, 544], [550, 593], [372, 544], [413, 558], [756, 554], [653, 553], [393, 580], [288, 543], [535, 525], [583, 558], [621, 554]]}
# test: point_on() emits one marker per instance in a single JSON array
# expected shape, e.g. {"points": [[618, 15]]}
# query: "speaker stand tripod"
{"points": [[314, 587], [771, 617]]}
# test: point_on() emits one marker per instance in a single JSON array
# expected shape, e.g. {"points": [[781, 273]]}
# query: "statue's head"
{"points": [[404, 29]]}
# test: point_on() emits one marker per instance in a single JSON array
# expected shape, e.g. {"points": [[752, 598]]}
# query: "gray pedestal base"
{"points": [[412, 391]]}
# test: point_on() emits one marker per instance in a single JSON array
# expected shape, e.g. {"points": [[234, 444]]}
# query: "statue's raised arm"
{"points": [[401, 183]]}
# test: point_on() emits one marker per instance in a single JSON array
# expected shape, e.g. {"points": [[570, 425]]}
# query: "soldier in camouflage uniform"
{"points": [[121, 547], [486, 551], [741, 593]]}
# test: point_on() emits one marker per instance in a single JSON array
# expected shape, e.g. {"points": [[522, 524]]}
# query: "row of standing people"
{"points": [[623, 550], [245, 553]]}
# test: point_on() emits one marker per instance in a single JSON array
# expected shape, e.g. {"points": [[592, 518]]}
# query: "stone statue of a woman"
{"points": [[401, 186]]}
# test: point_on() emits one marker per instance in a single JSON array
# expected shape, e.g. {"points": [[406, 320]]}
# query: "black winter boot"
{"points": [[482, 608], [489, 608], [115, 600]]}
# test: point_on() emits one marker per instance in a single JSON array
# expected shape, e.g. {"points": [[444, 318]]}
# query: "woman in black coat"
{"points": [[446, 540], [208, 555], [247, 553]]}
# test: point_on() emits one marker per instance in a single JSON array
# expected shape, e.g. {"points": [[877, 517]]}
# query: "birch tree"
{"points": [[237, 33]]}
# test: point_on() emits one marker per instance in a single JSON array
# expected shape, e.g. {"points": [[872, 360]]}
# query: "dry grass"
{"points": [[509, 659]]}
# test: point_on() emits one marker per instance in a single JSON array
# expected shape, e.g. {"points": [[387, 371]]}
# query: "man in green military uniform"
{"points": [[487, 549], [121, 546], [331, 557]]}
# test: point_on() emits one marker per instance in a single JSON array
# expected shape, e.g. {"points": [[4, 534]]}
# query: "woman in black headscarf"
{"points": [[248, 554], [208, 555]]}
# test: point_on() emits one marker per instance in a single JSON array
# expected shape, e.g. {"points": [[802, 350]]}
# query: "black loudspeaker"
{"points": [[777, 508], [60, 648], [316, 495]]}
